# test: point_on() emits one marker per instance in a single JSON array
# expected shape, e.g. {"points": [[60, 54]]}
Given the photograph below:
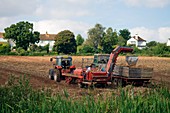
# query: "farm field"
{"points": [[37, 68]]}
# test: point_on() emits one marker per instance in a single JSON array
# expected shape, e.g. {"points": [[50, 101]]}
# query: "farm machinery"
{"points": [[61, 67], [103, 70]]}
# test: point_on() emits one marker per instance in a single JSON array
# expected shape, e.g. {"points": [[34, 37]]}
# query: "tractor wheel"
{"points": [[81, 85], [115, 83], [51, 71], [57, 76], [120, 83]]}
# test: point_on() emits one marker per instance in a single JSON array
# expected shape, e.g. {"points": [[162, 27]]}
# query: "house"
{"points": [[137, 41], [44, 40], [168, 42], [47, 39], [2, 40]]}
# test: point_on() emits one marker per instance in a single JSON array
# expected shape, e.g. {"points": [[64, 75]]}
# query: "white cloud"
{"points": [[17, 7], [44, 9], [55, 26], [148, 3], [160, 35], [164, 33], [5, 22]]}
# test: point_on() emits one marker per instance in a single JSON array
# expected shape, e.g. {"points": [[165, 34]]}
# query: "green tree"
{"points": [[151, 44], [125, 34], [95, 36], [22, 34], [79, 40], [86, 49], [109, 40], [4, 48], [160, 49], [65, 42], [121, 41]]}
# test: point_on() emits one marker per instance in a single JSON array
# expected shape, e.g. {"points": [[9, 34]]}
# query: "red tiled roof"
{"points": [[138, 38], [47, 36], [42, 36], [1, 35]]}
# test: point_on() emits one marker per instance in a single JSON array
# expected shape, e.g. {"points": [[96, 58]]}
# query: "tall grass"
{"points": [[20, 97]]}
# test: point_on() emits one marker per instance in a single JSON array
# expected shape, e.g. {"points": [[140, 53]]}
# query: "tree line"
{"points": [[99, 40]]}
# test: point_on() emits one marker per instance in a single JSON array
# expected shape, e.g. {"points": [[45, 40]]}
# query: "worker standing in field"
{"points": [[88, 70]]}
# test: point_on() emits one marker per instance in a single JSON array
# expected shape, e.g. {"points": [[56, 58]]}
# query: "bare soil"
{"points": [[37, 69]]}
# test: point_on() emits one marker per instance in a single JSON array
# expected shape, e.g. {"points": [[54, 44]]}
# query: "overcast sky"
{"points": [[150, 19]]}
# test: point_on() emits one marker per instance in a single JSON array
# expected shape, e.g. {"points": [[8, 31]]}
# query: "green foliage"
{"points": [[125, 34], [65, 42], [109, 40], [79, 40], [22, 34], [154, 49], [95, 36], [121, 41], [22, 52], [4, 48], [35, 48], [160, 49], [151, 44], [20, 97], [86, 49]]}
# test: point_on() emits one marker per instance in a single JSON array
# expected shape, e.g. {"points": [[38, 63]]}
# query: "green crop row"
{"points": [[20, 97]]}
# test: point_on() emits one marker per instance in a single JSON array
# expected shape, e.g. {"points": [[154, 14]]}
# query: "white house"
{"points": [[47, 39], [2, 40], [168, 42], [137, 41]]}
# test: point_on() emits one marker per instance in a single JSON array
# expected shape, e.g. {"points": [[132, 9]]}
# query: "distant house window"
{"points": [[133, 42], [41, 41]]}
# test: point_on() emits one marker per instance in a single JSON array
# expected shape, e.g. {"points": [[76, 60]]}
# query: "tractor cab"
{"points": [[62, 61], [100, 61]]}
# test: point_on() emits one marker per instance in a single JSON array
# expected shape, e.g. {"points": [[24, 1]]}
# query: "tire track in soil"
{"points": [[34, 80], [38, 82]]}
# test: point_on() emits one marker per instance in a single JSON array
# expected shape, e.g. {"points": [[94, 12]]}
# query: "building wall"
{"points": [[12, 43], [45, 42], [168, 43], [141, 43], [132, 41]]}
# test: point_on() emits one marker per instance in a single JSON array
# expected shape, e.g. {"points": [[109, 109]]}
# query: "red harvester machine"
{"points": [[95, 75]]}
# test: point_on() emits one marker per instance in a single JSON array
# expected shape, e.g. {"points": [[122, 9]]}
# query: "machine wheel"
{"points": [[57, 76], [115, 83], [81, 85], [51, 71], [120, 83]]}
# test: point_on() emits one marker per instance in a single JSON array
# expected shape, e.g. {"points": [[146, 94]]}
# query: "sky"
{"points": [[150, 19]]}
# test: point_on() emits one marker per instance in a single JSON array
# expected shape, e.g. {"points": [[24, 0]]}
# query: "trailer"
{"points": [[131, 74]]}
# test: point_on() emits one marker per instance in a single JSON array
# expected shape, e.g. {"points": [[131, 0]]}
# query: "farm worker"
{"points": [[64, 64], [89, 68]]}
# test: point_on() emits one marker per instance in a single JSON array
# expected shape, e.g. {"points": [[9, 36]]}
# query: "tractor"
{"points": [[62, 65]]}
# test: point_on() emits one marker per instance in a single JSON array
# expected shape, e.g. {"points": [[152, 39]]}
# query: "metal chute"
{"points": [[131, 60]]}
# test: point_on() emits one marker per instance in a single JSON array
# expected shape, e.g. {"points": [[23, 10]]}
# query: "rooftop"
{"points": [[138, 38], [47, 36], [42, 36], [1, 35]]}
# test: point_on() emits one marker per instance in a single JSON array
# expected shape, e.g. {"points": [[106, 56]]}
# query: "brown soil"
{"points": [[37, 68]]}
